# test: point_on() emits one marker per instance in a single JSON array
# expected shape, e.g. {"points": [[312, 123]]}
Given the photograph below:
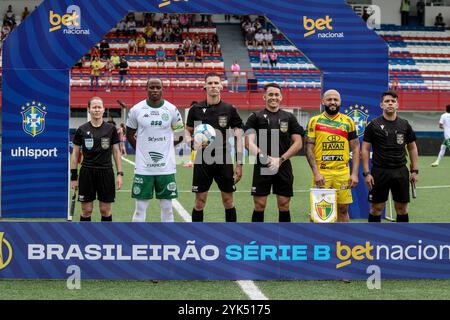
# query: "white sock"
{"points": [[166, 210], [441, 153], [140, 212]]}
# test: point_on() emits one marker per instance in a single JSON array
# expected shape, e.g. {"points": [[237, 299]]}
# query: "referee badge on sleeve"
{"points": [[400, 138]]}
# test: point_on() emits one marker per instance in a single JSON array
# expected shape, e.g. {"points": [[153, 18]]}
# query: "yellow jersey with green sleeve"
{"points": [[332, 134]]}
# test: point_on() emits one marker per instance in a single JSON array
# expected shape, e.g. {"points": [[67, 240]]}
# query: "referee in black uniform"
{"points": [[388, 135], [97, 140], [214, 162], [273, 149]]}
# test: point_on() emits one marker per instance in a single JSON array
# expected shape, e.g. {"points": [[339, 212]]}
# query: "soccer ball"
{"points": [[204, 135]]}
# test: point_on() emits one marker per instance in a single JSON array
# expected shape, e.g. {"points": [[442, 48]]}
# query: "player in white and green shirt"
{"points": [[444, 123], [151, 125]]}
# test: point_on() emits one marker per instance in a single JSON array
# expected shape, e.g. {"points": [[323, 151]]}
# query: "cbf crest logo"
{"points": [[33, 118], [359, 115], [6, 252]]}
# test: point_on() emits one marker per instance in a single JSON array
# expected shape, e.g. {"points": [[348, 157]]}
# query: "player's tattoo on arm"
{"points": [[310, 143], [354, 144]]}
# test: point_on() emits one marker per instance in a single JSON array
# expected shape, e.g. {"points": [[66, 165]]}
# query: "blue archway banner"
{"points": [[38, 55]]}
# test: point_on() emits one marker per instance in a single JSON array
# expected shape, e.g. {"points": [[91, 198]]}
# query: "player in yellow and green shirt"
{"points": [[330, 136]]}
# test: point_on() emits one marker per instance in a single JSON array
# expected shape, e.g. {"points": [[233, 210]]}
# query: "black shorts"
{"points": [[282, 181], [205, 173], [96, 183], [395, 180]]}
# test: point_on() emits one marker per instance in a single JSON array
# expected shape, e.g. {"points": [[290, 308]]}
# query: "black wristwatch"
{"points": [[414, 171], [365, 174], [120, 173], [282, 159]]}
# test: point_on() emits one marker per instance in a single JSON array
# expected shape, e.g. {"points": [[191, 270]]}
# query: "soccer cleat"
{"points": [[435, 164], [187, 165]]}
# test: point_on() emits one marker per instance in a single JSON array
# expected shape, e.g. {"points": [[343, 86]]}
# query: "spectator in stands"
{"points": [[268, 38], [196, 42], [235, 69], [120, 28], [111, 121], [215, 43], [174, 20], [141, 44], [6, 30], [273, 57], [207, 44], [147, 18], [165, 19], [259, 39], [94, 52], [264, 57], [130, 29], [184, 22], [160, 56], [404, 11], [105, 50], [109, 67], [158, 34], [420, 12], [9, 17], [439, 21], [115, 59], [198, 55], [25, 13], [79, 63], [177, 34], [180, 55], [209, 21], [96, 67], [250, 36], [121, 130], [167, 33], [148, 32], [132, 46], [123, 70], [187, 44]]}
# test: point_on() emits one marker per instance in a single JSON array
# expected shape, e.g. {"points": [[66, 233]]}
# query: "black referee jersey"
{"points": [[96, 144], [264, 121], [388, 139]]}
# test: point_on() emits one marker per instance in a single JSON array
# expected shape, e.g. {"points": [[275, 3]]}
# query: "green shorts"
{"points": [[446, 143], [164, 185]]}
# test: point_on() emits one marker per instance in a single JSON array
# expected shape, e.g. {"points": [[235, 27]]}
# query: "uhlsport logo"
{"points": [[359, 114], [33, 118], [320, 26], [169, 2], [6, 252], [71, 20]]}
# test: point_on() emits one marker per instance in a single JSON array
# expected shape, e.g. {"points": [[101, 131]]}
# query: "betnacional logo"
{"points": [[6, 252], [33, 118], [359, 114], [156, 156], [169, 2], [71, 20], [321, 26]]}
